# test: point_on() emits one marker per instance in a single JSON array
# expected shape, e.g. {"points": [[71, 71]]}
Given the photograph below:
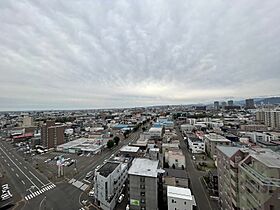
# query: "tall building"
{"points": [[213, 140], [259, 181], [143, 184], [223, 104], [270, 118], [52, 134], [250, 104], [230, 103], [248, 178], [216, 105], [227, 168], [108, 183]]}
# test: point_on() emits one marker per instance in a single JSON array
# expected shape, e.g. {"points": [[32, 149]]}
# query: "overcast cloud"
{"points": [[123, 53]]}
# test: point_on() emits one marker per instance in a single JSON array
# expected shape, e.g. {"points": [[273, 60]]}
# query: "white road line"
{"points": [[16, 159], [5, 160], [20, 163], [12, 169], [23, 182], [19, 168], [17, 175], [8, 164], [36, 177], [25, 167]]}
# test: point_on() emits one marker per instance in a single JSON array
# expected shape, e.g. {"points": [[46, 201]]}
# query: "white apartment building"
{"points": [[196, 145], [156, 132], [108, 183], [179, 198]]}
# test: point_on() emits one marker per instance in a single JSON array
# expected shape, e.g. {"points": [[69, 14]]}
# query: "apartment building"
{"points": [[196, 145], [248, 178], [108, 183], [213, 140], [259, 181], [143, 184], [52, 134], [227, 169], [179, 198], [270, 118]]}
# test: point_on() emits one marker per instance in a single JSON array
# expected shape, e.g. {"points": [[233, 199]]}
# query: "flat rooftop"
{"points": [[129, 149], [107, 168], [179, 192], [216, 137], [144, 167], [268, 157], [228, 151]]}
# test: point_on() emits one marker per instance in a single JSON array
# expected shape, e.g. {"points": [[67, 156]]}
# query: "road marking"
{"points": [[17, 175], [23, 182], [25, 167], [19, 168], [5, 160], [12, 169], [36, 178], [20, 163], [8, 164], [16, 159]]}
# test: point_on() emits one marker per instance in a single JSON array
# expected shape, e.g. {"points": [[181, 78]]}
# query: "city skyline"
{"points": [[77, 55]]}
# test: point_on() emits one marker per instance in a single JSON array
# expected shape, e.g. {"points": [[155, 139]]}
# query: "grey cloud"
{"points": [[128, 53]]}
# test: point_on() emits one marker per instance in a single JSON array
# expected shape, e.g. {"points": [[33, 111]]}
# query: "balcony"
{"points": [[233, 164], [267, 181]]}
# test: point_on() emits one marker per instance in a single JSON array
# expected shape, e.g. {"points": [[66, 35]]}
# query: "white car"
{"points": [[91, 193], [5, 186], [121, 198]]}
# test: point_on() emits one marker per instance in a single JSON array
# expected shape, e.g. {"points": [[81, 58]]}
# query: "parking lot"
{"points": [[47, 163]]}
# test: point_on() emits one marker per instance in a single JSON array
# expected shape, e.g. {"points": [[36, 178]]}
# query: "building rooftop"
{"points": [[108, 168], [228, 151], [176, 173], [179, 192], [129, 149], [268, 157], [144, 167], [216, 137]]}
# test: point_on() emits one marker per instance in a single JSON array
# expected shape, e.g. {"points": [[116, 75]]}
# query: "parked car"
{"points": [[121, 198], [89, 174], [91, 193]]}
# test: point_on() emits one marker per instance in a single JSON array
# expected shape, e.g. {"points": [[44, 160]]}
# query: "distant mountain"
{"points": [[270, 100]]}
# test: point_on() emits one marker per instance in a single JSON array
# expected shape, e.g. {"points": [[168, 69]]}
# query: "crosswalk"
{"points": [[80, 185], [39, 192]]}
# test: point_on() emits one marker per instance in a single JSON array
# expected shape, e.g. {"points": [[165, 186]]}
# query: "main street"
{"points": [[33, 186], [199, 191]]}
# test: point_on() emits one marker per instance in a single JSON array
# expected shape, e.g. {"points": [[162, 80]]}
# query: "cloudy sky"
{"points": [[125, 53]]}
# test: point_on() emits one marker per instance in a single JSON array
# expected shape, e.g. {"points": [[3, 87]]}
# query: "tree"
{"points": [[173, 166], [110, 144], [166, 165], [116, 140]]}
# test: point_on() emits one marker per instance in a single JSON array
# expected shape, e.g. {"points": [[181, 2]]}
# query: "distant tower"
{"points": [[230, 103], [216, 105], [249, 104], [223, 104]]}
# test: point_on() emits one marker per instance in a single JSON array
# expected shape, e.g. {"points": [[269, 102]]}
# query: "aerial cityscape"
{"points": [[139, 105]]}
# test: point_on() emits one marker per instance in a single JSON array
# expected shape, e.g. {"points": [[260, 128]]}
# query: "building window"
{"points": [[271, 207], [173, 201], [142, 200], [185, 203], [142, 186], [142, 193], [142, 179]]}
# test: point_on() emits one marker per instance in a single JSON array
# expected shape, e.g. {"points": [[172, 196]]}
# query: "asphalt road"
{"points": [[199, 191], [35, 190]]}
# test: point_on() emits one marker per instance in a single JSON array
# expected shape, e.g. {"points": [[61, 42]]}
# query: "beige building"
{"points": [[270, 118], [259, 181], [248, 178], [213, 140]]}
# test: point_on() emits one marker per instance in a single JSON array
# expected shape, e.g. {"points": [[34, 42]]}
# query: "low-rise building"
{"points": [[180, 198], [175, 158], [196, 145]]}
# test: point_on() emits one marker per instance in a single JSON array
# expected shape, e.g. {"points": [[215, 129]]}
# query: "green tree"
{"points": [[116, 140], [110, 144]]}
